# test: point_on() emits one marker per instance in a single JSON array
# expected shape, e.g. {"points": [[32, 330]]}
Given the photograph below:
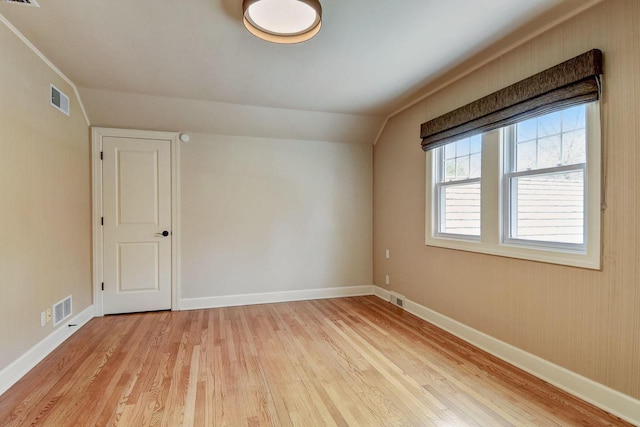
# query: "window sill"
{"points": [[560, 257]]}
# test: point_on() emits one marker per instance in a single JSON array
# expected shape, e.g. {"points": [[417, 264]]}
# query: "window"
{"points": [[459, 167], [530, 190], [545, 180]]}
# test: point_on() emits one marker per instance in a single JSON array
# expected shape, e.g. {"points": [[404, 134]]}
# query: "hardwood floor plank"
{"points": [[337, 362], [351, 373]]}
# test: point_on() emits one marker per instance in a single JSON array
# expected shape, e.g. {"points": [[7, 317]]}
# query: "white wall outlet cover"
{"points": [[43, 319], [387, 254], [386, 279]]}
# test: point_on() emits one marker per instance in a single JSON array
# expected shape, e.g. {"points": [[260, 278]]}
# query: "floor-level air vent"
{"points": [[24, 2], [59, 100], [397, 300], [61, 311]]}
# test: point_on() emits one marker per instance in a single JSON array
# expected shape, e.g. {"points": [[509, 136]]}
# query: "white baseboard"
{"points": [[12, 373], [273, 297], [381, 293], [604, 397]]}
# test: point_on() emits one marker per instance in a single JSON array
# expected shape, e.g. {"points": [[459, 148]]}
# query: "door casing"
{"points": [[97, 208]]}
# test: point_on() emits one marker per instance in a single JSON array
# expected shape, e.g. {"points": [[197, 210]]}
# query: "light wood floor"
{"points": [[352, 361]]}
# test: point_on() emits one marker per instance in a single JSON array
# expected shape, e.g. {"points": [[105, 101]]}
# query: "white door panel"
{"points": [[137, 210], [137, 267]]}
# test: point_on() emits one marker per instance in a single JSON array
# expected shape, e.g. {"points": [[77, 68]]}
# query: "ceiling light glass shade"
{"points": [[283, 21]]}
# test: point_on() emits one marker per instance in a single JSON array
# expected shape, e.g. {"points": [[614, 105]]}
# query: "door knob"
{"points": [[165, 233]]}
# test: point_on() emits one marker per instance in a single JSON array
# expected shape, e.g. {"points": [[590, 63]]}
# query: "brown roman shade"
{"points": [[576, 81]]}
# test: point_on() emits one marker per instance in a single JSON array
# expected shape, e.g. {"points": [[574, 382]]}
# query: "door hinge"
{"points": [[101, 155], [103, 286], [101, 220]]}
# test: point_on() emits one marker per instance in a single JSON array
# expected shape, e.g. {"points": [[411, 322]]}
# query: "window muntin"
{"points": [[458, 188], [555, 139], [463, 159], [545, 180]]}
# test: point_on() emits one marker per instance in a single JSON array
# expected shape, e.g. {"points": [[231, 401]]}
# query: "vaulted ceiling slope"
{"points": [[191, 65]]}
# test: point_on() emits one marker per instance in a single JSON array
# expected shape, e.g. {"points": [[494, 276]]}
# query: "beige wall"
{"points": [[45, 200], [586, 321], [266, 215]]}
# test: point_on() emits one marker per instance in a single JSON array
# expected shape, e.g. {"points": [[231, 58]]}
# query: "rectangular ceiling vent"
{"points": [[61, 311], [24, 2], [59, 100]]}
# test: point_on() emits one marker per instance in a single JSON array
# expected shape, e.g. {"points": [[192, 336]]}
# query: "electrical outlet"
{"points": [[48, 315], [43, 319], [386, 279], [387, 254]]}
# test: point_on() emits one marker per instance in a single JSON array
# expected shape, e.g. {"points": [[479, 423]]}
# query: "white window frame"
{"points": [[493, 201], [507, 213]]}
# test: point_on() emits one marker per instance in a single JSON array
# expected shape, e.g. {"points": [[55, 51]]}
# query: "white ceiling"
{"points": [[370, 58]]}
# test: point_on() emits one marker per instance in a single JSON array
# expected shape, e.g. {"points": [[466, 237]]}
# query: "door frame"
{"points": [[97, 209]]}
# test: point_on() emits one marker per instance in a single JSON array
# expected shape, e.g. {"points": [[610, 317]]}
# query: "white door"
{"points": [[136, 179]]}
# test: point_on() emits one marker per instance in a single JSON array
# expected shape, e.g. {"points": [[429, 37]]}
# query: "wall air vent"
{"points": [[396, 299], [24, 2], [61, 311], [59, 100]]}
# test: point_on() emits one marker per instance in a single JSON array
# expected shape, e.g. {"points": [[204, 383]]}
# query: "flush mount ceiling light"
{"points": [[283, 21]]}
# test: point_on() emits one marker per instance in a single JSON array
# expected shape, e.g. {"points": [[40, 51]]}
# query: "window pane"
{"points": [[526, 156], [462, 147], [475, 165], [462, 167], [527, 130], [449, 169], [460, 209], [548, 208], [475, 144], [574, 118], [549, 152], [550, 124], [574, 147], [450, 151]]}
